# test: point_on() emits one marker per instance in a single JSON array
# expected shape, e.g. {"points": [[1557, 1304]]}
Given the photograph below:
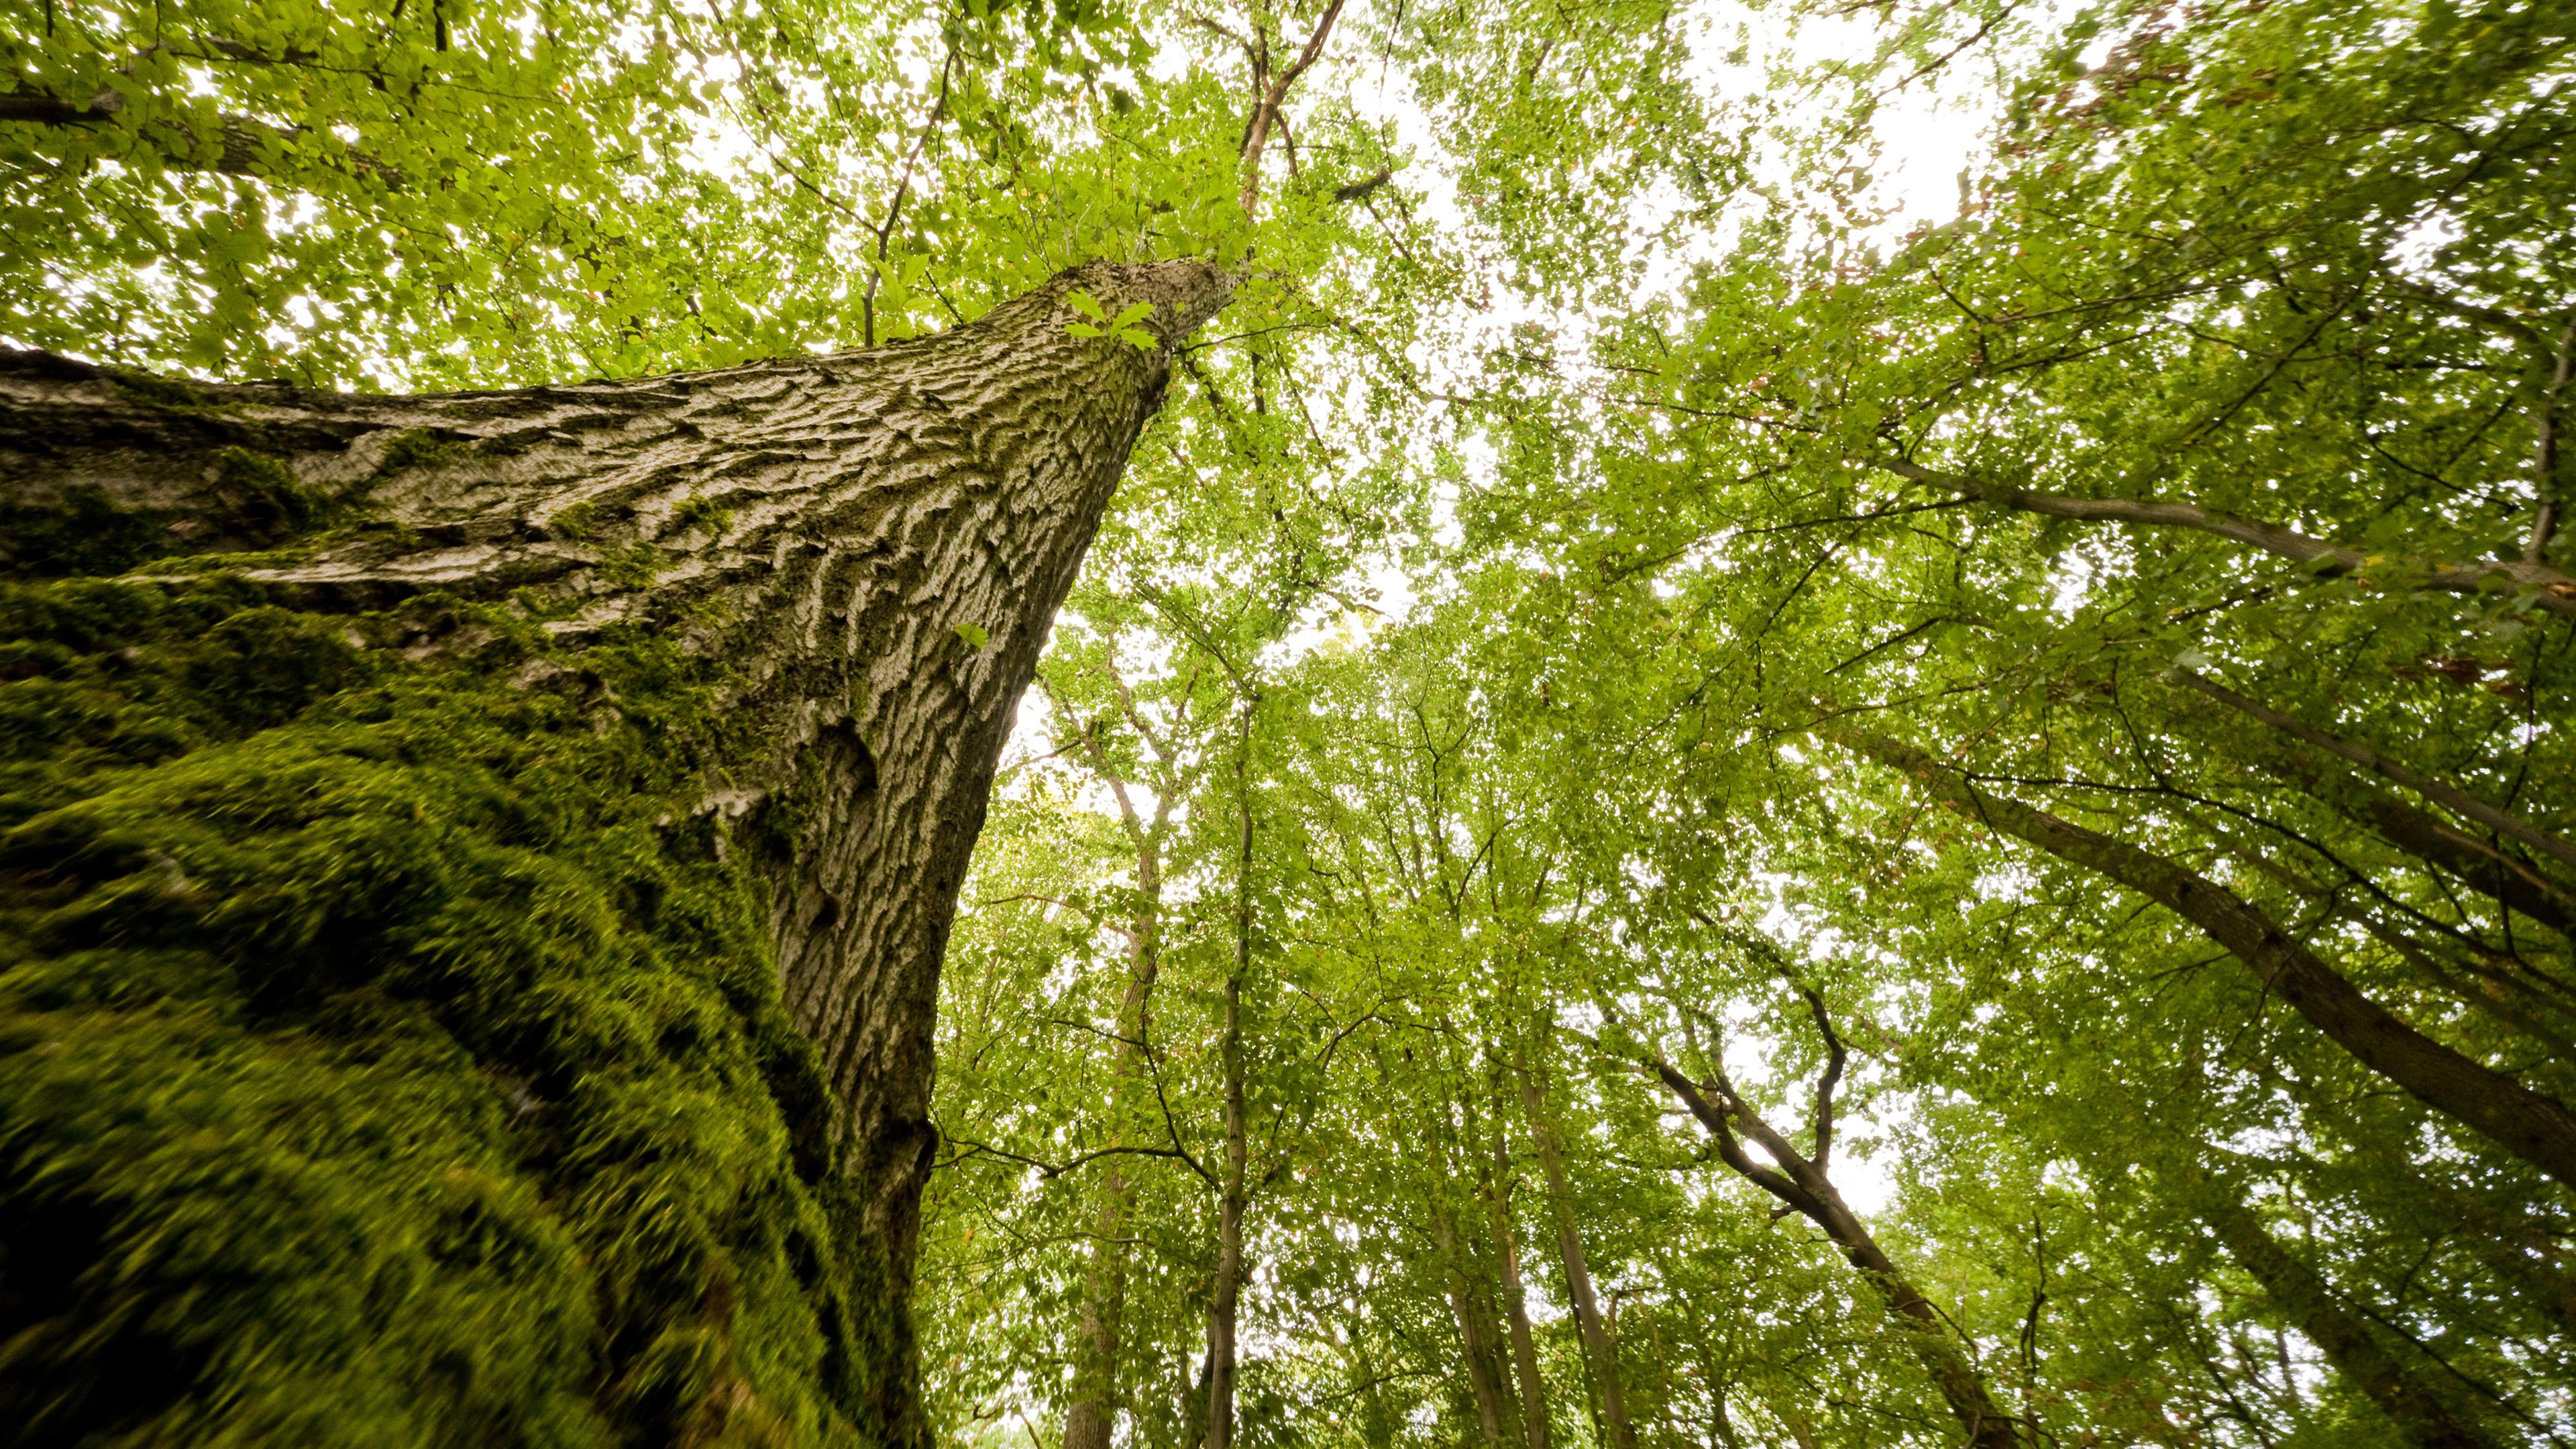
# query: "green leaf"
{"points": [[975, 635], [1086, 304]]}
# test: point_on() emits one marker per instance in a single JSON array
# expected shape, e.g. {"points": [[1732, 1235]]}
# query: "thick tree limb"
{"points": [[2311, 1304], [2533, 1127], [1365, 187]]}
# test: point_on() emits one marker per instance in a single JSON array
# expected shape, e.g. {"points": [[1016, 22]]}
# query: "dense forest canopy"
{"points": [[1699, 791]]}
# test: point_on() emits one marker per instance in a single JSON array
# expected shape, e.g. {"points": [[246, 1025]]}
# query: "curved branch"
{"points": [[2552, 589]]}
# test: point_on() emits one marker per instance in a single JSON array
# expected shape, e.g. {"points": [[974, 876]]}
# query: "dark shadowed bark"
{"points": [[868, 548]]}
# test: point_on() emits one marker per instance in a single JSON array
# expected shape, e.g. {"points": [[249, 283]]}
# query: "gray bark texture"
{"points": [[866, 550]]}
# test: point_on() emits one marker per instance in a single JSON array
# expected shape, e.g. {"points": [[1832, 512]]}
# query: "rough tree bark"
{"points": [[862, 552]]}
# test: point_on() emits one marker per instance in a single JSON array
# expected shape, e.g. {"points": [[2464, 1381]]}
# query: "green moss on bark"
{"points": [[389, 1054]]}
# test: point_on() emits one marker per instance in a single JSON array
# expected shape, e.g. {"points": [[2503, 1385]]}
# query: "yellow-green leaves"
{"points": [[1123, 326]]}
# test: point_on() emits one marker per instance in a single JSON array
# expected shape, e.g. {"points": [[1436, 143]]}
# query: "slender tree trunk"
{"points": [[2533, 1127], [1665, 1416], [1599, 1349], [1088, 1422], [1475, 1346], [1534, 1422], [862, 552], [1714, 1383], [1230, 1204], [2313, 1307], [1483, 1278], [1229, 1233]]}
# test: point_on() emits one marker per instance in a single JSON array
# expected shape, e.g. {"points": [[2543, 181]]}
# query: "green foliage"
{"points": [[398, 1036], [1744, 464]]}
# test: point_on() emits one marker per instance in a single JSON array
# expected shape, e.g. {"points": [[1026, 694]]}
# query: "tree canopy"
{"points": [[1697, 792]]}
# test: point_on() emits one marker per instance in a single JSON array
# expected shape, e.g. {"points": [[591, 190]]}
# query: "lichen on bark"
{"points": [[473, 871]]}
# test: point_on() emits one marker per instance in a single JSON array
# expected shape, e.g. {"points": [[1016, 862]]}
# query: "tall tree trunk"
{"points": [[1483, 1277], [2312, 1306], [1599, 1349], [788, 608], [1534, 1425], [1475, 1345], [1230, 1198], [1093, 1413], [2535, 1128], [1665, 1415]]}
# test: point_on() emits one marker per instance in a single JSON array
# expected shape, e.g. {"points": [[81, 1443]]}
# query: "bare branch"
{"points": [[902, 191]]}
